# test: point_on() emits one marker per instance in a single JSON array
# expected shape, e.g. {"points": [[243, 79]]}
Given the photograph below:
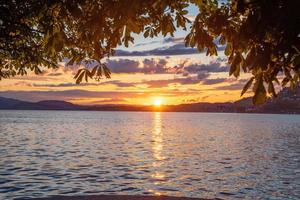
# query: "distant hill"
{"points": [[59, 105], [288, 101], [8, 103]]}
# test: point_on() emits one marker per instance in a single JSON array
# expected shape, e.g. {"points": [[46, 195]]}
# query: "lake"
{"points": [[230, 156]]}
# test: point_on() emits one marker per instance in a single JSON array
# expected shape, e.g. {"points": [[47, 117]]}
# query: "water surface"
{"points": [[44, 153]]}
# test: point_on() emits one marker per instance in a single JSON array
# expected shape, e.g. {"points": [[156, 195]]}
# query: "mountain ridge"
{"points": [[287, 102]]}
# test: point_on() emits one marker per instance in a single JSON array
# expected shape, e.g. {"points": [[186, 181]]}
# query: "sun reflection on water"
{"points": [[157, 148], [157, 139]]}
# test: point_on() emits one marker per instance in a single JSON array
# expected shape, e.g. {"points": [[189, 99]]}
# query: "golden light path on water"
{"points": [[157, 147], [207, 155]]}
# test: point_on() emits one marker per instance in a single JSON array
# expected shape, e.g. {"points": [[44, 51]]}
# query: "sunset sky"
{"points": [[150, 69]]}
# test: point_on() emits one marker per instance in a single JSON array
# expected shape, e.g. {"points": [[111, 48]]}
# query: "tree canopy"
{"points": [[262, 37]]}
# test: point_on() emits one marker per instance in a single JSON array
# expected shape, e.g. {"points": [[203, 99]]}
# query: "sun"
{"points": [[157, 102]]}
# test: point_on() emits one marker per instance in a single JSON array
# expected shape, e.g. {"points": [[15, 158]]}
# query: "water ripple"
{"points": [[229, 156]]}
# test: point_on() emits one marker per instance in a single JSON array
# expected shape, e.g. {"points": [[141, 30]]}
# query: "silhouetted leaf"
{"points": [[271, 89], [44, 33], [247, 86], [260, 94], [79, 78]]}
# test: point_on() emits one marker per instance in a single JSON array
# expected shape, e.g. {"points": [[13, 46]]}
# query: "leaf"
{"points": [[260, 94], [228, 49], [87, 74], [77, 74], [99, 71], [184, 12], [79, 78], [222, 40], [58, 46], [71, 62], [292, 84], [235, 66], [247, 86], [296, 60], [146, 34], [296, 77], [285, 81], [236, 73], [277, 81], [106, 71], [37, 70], [271, 89], [93, 72], [250, 57]]}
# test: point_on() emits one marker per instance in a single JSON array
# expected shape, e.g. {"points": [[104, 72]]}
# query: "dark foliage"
{"points": [[261, 36]]}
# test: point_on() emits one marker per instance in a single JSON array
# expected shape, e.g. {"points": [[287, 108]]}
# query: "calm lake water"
{"points": [[44, 153]]}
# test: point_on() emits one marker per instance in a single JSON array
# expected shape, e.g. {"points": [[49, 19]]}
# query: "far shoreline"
{"points": [[119, 197], [162, 111]]}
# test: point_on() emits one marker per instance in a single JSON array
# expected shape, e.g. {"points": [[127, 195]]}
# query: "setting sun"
{"points": [[157, 102]]}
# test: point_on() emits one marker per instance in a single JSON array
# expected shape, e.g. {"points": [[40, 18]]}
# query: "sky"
{"points": [[148, 70]]}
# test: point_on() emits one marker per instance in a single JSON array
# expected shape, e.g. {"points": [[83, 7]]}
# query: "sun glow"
{"points": [[157, 102]]}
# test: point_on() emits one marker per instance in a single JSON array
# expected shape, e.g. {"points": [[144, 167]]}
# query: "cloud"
{"points": [[114, 82], [68, 95], [120, 83], [200, 68], [214, 81], [211, 67], [64, 85], [35, 78], [182, 81], [173, 40], [235, 86], [165, 40], [55, 74], [23, 83], [188, 80], [115, 65], [146, 43], [63, 95], [177, 49], [202, 76], [109, 101], [153, 66], [123, 66], [160, 66], [147, 66]]}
